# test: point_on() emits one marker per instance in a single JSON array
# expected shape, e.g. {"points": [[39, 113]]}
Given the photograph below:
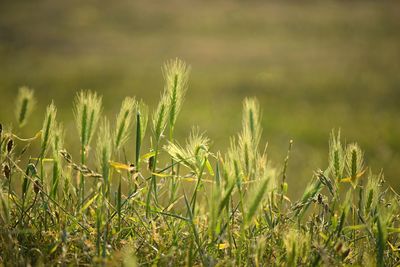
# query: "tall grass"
{"points": [[191, 205], [87, 113]]}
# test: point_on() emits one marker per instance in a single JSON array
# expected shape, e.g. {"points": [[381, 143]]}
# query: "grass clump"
{"points": [[191, 205]]}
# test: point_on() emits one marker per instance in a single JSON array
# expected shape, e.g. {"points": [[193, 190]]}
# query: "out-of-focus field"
{"points": [[314, 66]]}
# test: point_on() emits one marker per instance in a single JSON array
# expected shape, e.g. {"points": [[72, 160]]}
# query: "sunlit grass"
{"points": [[175, 203]]}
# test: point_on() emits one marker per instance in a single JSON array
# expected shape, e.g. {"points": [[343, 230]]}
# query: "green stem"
{"points": [[153, 182], [82, 182], [138, 140]]}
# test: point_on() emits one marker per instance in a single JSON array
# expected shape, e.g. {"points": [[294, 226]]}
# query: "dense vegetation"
{"points": [[313, 66], [181, 204]]}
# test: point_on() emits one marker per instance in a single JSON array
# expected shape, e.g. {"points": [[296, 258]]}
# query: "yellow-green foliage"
{"points": [[191, 205]]}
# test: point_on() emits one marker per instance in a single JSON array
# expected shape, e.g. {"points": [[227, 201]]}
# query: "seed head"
{"points": [[336, 156], [354, 162], [151, 163], [176, 74], [37, 186], [132, 168], [87, 113], [25, 105], [124, 122], [7, 171], [66, 156], [194, 153], [251, 122], [10, 145], [48, 127]]}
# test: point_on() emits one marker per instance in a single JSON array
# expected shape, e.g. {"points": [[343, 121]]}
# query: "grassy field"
{"points": [[314, 66], [172, 204]]}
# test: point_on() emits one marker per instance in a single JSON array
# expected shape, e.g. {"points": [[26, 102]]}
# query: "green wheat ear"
{"points": [[193, 154], [24, 105], [256, 199], [176, 75], [354, 162], [336, 156], [48, 128], [124, 122], [250, 136], [251, 121], [87, 112]]}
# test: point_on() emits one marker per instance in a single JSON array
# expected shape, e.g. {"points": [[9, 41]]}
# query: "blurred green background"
{"points": [[314, 66]]}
